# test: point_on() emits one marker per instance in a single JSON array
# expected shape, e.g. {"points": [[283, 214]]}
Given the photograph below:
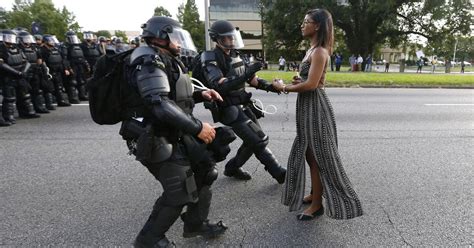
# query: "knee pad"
{"points": [[179, 186], [210, 177], [251, 134]]}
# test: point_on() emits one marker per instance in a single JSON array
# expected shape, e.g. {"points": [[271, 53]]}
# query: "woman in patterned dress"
{"points": [[316, 139]]}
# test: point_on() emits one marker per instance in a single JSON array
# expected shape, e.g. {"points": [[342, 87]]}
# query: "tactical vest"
{"points": [[15, 58], [75, 54], [183, 95], [31, 55], [54, 60], [91, 52]]}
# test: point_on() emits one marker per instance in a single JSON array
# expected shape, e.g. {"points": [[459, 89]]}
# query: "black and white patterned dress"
{"points": [[316, 130]]}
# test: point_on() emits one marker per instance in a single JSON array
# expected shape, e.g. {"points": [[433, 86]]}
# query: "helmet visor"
{"points": [[9, 38], [89, 36], [232, 39], [183, 38], [27, 39], [73, 39], [51, 40]]}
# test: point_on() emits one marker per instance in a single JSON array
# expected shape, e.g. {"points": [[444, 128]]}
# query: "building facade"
{"points": [[244, 14]]}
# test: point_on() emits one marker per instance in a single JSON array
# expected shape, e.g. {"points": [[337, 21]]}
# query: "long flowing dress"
{"points": [[316, 130]]}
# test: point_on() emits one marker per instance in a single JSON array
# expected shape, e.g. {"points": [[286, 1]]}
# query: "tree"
{"points": [[368, 23], [160, 11], [188, 15], [104, 33], [122, 35], [51, 20], [3, 18]]}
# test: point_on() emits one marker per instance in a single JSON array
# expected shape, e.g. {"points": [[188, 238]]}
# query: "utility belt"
{"points": [[234, 98], [149, 148], [143, 143]]}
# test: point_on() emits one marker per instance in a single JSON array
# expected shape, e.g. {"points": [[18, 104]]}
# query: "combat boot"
{"points": [[206, 229], [26, 109], [39, 104], [83, 93], [271, 164], [48, 100]]}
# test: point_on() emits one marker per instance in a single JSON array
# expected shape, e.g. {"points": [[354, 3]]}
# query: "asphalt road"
{"points": [[68, 182]]}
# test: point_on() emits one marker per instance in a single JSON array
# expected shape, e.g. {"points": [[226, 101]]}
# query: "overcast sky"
{"points": [[95, 15]]}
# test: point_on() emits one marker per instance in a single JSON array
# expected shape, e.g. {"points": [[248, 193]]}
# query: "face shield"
{"points": [[183, 38], [51, 40], [9, 38], [89, 36], [231, 40], [73, 39], [27, 39]]}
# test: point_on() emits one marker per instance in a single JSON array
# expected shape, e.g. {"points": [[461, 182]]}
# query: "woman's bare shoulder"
{"points": [[320, 54]]}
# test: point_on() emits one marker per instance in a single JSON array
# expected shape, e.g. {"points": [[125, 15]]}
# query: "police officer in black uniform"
{"points": [[227, 73], [3, 123], [90, 49], [53, 59], [27, 45], [14, 66], [78, 66], [174, 136]]}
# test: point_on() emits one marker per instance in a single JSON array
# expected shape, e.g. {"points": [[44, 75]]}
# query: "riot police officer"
{"points": [[90, 49], [15, 67], [77, 65], [173, 134], [227, 73], [3, 123], [53, 59], [27, 42]]}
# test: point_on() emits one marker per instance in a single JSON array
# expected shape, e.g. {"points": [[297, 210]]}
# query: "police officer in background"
{"points": [[78, 66], [157, 76], [28, 46], [90, 49], [14, 67], [227, 73], [3, 123], [53, 59]]}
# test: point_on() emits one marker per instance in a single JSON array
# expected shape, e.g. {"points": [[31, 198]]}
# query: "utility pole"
{"points": [[206, 24], [454, 55]]}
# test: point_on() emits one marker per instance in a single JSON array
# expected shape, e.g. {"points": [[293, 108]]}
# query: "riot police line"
{"points": [[38, 73]]}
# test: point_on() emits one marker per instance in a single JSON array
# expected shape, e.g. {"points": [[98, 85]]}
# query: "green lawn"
{"points": [[347, 79]]}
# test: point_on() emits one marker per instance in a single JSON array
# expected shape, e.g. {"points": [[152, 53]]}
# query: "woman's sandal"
{"points": [[304, 216]]}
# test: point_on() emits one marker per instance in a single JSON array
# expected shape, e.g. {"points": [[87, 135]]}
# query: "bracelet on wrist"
{"points": [[284, 90]]}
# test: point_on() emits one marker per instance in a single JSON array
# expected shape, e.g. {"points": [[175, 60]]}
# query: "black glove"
{"points": [[264, 85], [252, 69]]}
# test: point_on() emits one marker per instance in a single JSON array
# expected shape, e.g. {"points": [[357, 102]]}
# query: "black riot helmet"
{"points": [[9, 37], [71, 38], [50, 40], [221, 29], [89, 36], [25, 38], [168, 29]]}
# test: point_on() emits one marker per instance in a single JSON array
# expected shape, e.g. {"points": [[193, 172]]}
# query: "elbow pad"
{"points": [[5, 67], [168, 112], [151, 81]]}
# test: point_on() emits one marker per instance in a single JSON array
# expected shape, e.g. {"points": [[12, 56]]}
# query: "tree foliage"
{"points": [[122, 35], [188, 16], [367, 24], [51, 20], [160, 11], [104, 33]]}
